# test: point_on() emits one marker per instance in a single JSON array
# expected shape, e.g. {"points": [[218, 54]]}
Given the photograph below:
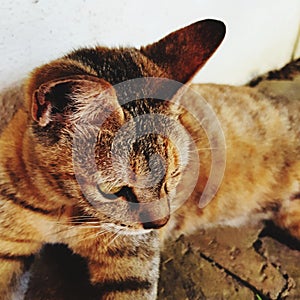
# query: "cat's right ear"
{"points": [[183, 52], [53, 100]]}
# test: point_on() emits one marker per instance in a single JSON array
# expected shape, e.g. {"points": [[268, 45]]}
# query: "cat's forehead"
{"points": [[143, 138], [117, 65]]}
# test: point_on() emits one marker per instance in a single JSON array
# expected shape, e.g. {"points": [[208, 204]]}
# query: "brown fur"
{"points": [[262, 161], [52, 192]]}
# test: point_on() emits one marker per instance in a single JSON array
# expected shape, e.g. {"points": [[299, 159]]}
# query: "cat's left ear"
{"points": [[183, 52], [53, 100]]}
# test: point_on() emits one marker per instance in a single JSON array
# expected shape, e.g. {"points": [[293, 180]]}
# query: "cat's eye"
{"points": [[108, 191]]}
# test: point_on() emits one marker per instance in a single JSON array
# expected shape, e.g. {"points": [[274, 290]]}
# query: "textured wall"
{"points": [[261, 34]]}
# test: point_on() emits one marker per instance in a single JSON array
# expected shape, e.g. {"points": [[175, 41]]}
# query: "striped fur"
{"points": [[106, 208], [56, 190]]}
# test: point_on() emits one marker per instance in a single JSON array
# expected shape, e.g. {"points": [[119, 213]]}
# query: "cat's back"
{"points": [[260, 141], [266, 113]]}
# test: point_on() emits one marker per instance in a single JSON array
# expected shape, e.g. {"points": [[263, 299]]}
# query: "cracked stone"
{"points": [[209, 268]]}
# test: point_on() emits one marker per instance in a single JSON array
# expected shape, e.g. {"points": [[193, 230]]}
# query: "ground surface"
{"points": [[227, 263]]}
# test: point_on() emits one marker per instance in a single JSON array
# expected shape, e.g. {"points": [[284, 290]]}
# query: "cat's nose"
{"points": [[155, 224], [153, 211]]}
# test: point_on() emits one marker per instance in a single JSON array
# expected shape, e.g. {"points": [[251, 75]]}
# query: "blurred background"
{"points": [[261, 35]]}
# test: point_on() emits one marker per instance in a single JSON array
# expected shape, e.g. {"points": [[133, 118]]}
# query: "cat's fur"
{"points": [[42, 202]]}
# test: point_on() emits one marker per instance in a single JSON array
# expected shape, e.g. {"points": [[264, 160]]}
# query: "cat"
{"points": [[85, 165]]}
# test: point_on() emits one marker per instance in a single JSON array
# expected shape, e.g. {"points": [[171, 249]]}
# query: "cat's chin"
{"points": [[124, 230]]}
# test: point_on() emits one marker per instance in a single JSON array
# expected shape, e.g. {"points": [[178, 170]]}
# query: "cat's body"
{"points": [[262, 159], [46, 199]]}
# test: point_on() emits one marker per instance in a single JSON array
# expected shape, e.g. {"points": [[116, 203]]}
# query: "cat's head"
{"points": [[114, 143]]}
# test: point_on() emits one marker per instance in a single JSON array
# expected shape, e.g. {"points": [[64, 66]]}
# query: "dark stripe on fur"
{"points": [[129, 284], [56, 179], [13, 198], [288, 72], [16, 257], [60, 183], [25, 260], [11, 239]]}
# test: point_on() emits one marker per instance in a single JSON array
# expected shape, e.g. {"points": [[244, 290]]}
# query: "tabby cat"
{"points": [[85, 165]]}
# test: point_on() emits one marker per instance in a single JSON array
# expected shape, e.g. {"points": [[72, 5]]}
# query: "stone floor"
{"points": [[227, 263]]}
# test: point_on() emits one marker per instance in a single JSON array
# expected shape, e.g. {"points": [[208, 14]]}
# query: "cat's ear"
{"points": [[54, 99], [182, 53]]}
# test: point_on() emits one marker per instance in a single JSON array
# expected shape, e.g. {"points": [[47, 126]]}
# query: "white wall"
{"points": [[260, 33]]}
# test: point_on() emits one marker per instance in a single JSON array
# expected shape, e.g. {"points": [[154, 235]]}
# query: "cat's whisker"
{"points": [[211, 148], [199, 139], [81, 236], [116, 235], [69, 228], [68, 223], [206, 149], [81, 217], [95, 234]]}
